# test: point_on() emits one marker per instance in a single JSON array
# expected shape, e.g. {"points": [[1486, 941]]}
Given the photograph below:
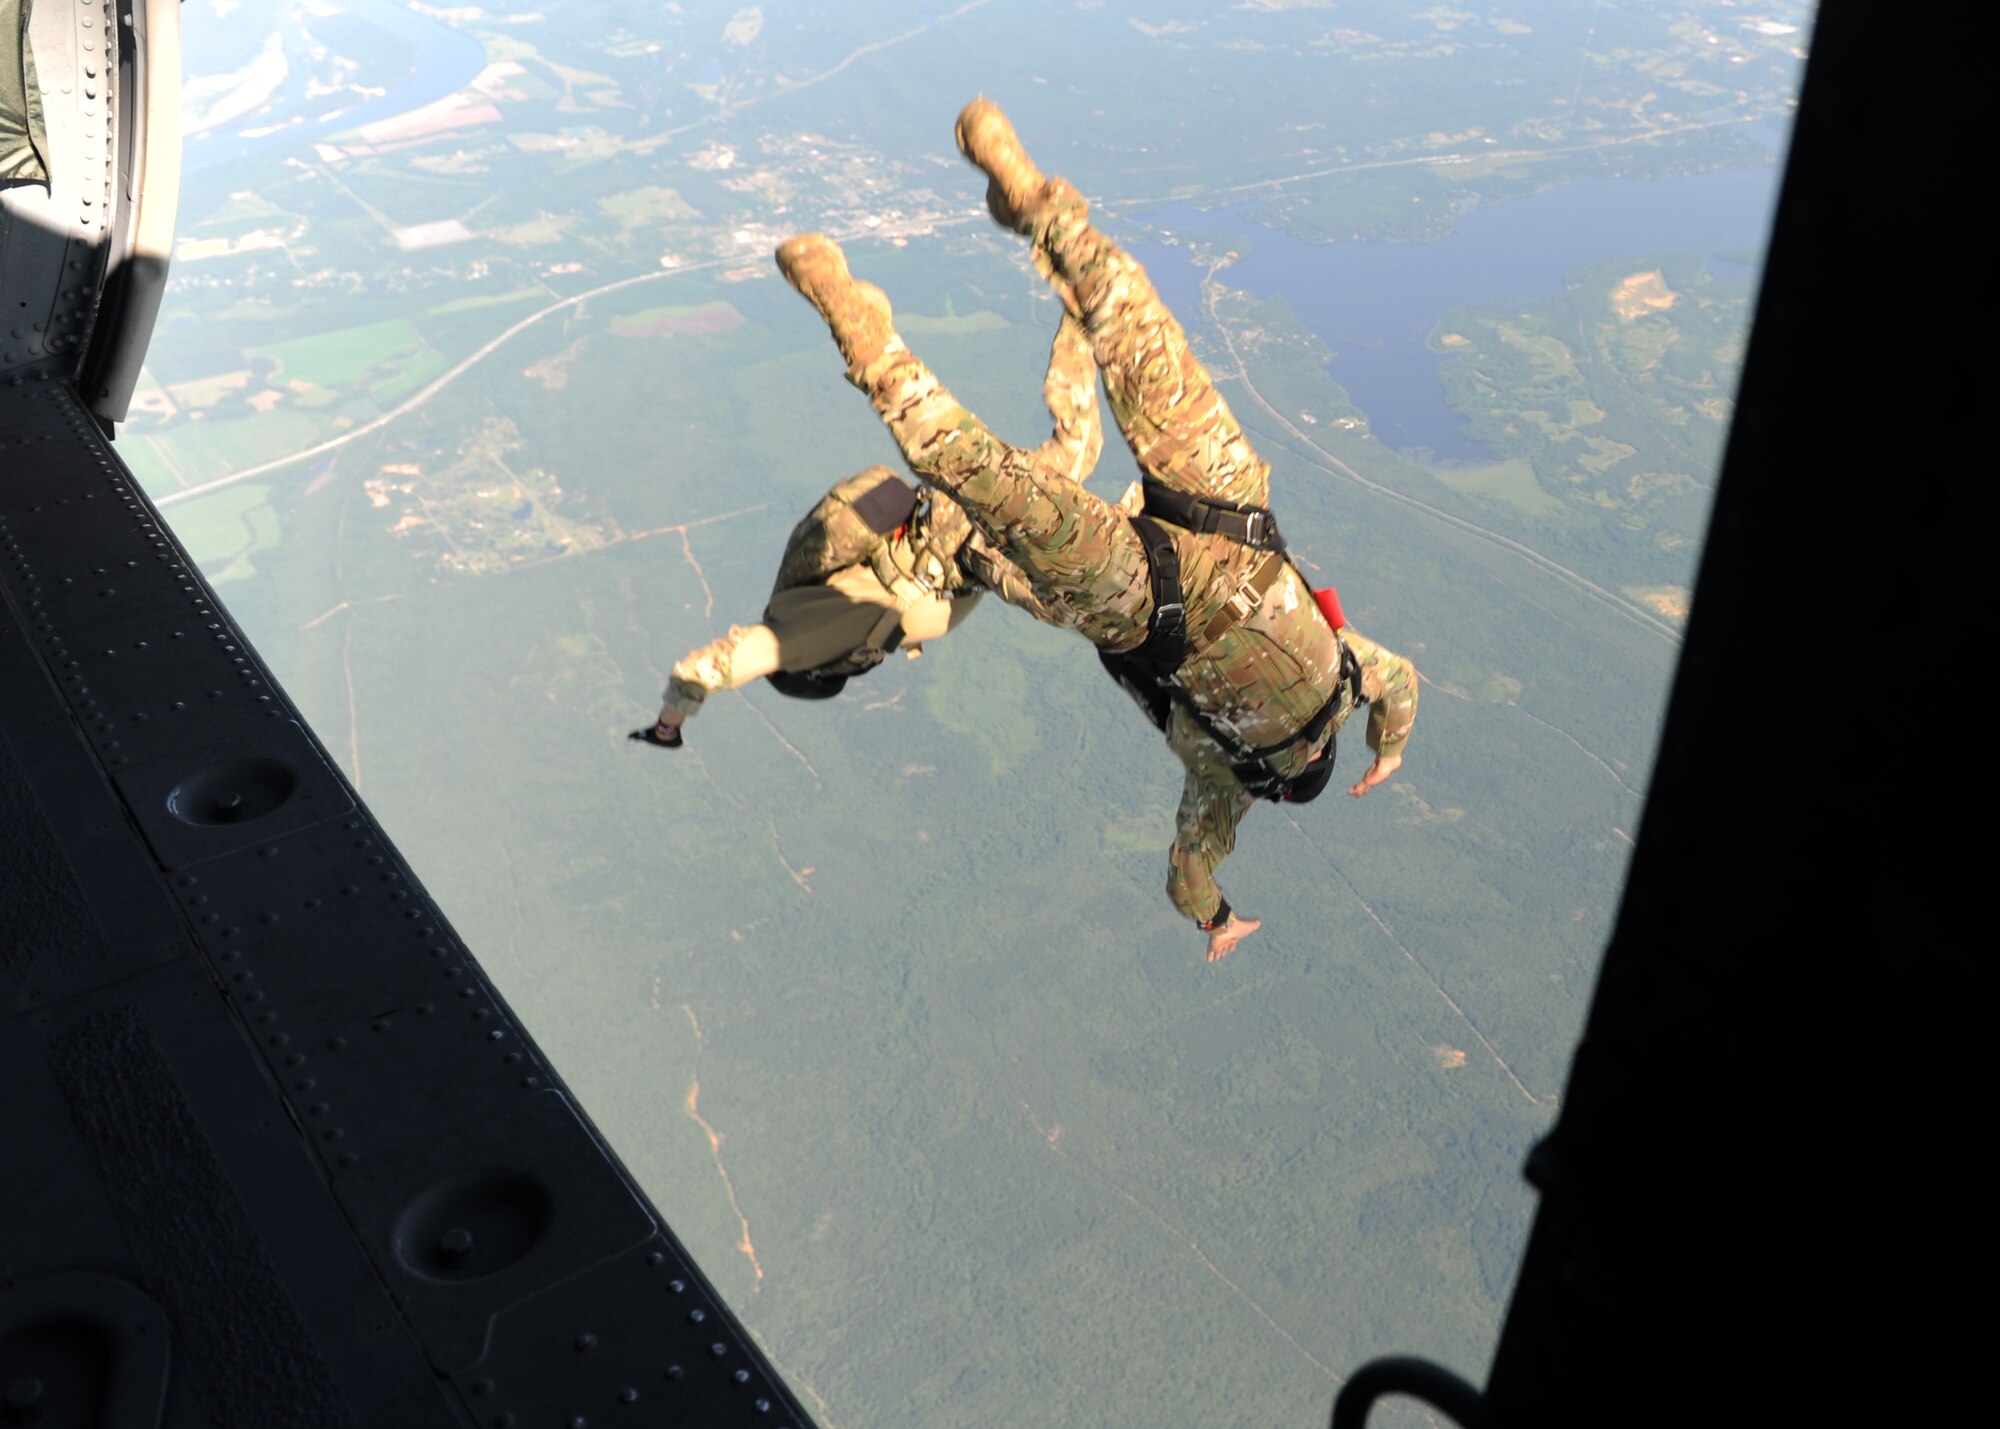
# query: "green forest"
{"points": [[881, 999]]}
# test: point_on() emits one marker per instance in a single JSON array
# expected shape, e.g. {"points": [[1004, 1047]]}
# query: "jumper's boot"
{"points": [[857, 313], [1018, 195], [1014, 183]]}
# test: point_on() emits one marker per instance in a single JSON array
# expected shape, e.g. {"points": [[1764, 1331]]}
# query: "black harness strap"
{"points": [[1253, 767], [1349, 683], [1252, 526], [1146, 673], [1165, 645]]}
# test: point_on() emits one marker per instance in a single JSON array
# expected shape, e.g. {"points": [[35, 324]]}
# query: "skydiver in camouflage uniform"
{"points": [[875, 567], [1258, 678]]}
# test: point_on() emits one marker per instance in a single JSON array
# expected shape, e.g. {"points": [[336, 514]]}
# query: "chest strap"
{"points": [[1167, 646], [1246, 525], [1238, 607]]}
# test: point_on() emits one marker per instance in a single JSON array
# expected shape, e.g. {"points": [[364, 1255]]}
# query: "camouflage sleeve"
{"points": [[746, 653], [1390, 684], [987, 567], [1213, 803]]}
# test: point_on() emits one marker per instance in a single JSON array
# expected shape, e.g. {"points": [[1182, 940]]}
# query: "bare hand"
{"points": [[1221, 940], [1378, 773]]}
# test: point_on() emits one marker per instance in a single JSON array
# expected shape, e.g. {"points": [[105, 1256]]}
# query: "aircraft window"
{"points": [[477, 393]]}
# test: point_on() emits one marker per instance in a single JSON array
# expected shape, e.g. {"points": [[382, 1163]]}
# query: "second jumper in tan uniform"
{"points": [[873, 568]]}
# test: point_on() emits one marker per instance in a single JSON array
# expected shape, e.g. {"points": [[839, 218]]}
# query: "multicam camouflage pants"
{"points": [[1080, 552]]}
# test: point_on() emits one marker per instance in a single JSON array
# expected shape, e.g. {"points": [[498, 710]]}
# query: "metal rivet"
{"points": [[455, 1243], [585, 1342], [697, 1316]]}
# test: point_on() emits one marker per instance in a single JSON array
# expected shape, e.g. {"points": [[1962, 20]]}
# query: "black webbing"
{"points": [[1252, 526], [1253, 767], [1165, 646]]}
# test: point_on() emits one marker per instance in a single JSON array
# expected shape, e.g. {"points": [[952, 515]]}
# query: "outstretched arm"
{"points": [[746, 653], [987, 567], [1213, 803], [1389, 683]]}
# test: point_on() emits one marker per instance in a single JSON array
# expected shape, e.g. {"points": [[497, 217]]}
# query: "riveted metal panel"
{"points": [[235, 1026]]}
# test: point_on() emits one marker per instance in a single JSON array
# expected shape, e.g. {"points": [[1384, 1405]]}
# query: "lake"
{"points": [[1375, 305]]}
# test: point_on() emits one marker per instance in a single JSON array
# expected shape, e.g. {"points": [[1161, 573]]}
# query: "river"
{"points": [[445, 60]]}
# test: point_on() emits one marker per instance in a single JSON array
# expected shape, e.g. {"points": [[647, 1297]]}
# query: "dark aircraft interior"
{"points": [[235, 1190]]}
